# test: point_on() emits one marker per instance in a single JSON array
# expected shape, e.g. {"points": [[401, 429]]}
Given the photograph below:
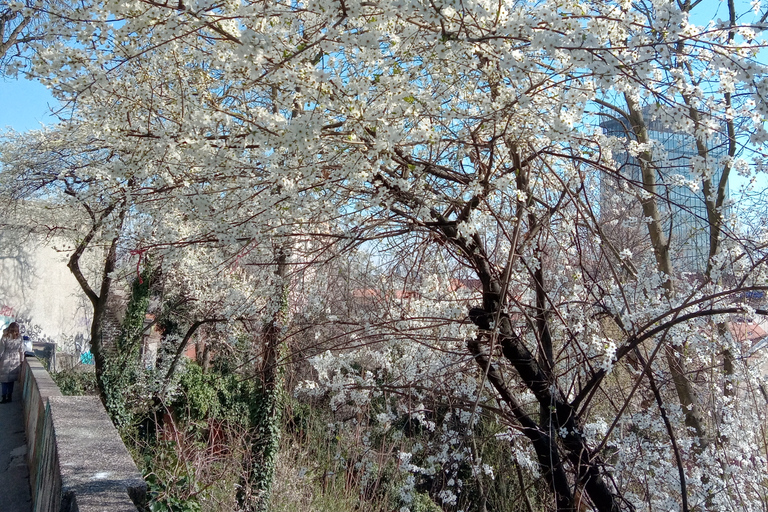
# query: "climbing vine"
{"points": [[122, 361], [267, 411]]}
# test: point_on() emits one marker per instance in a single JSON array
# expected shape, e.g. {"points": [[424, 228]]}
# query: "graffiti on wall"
{"points": [[7, 315]]}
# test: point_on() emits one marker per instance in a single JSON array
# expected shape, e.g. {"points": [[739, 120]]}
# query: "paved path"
{"points": [[14, 475]]}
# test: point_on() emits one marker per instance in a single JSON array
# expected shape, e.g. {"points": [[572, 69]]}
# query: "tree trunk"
{"points": [[99, 302], [256, 489], [675, 360]]}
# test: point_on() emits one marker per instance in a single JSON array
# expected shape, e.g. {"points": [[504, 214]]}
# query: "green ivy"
{"points": [[122, 365], [214, 395], [219, 394], [267, 417]]}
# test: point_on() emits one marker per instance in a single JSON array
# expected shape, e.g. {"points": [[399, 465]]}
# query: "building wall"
{"points": [[37, 288], [673, 155]]}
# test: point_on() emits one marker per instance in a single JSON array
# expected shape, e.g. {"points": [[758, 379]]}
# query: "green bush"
{"points": [[214, 395], [172, 485], [423, 503], [76, 383], [192, 453]]}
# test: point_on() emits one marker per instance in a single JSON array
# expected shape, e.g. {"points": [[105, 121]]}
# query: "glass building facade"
{"points": [[683, 206]]}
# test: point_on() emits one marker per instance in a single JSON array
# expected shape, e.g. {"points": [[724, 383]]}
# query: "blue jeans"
{"points": [[7, 388]]}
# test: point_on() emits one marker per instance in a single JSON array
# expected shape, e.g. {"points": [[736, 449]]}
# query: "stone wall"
{"points": [[77, 461]]}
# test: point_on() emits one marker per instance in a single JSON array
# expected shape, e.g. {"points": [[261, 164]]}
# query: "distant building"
{"points": [[686, 219]]}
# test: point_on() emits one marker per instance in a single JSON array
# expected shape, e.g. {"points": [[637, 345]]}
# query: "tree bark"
{"points": [[98, 301], [660, 243], [256, 489], [563, 416]]}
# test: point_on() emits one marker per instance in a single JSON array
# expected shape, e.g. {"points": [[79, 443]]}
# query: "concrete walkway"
{"points": [[14, 475]]}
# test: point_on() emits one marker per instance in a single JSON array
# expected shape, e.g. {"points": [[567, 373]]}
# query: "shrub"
{"points": [[76, 382]]}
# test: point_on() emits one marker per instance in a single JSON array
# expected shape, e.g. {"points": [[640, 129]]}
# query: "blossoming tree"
{"points": [[465, 138]]}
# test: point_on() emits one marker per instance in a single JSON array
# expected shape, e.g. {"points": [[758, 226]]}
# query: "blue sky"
{"points": [[24, 105]]}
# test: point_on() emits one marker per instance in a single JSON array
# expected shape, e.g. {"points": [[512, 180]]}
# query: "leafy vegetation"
{"points": [[457, 255]]}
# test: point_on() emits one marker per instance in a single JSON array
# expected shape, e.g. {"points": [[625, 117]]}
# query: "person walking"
{"points": [[11, 355]]}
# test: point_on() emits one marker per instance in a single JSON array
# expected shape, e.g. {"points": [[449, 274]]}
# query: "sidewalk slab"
{"points": [[14, 474]]}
